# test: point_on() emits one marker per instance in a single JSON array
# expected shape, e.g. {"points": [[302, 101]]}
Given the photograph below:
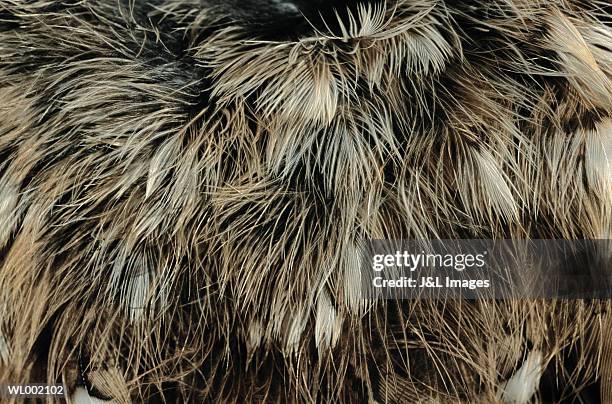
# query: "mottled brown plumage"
{"points": [[182, 190]]}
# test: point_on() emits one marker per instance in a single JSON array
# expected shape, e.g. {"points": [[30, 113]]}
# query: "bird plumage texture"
{"points": [[183, 189]]}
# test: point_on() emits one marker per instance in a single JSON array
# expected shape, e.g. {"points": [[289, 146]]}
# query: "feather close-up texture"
{"points": [[185, 184]]}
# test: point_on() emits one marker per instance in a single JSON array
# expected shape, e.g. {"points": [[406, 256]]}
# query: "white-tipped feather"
{"points": [[81, 396], [137, 294], [328, 323], [523, 384]]}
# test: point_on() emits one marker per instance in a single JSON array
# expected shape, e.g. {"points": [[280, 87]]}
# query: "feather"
{"points": [[524, 383], [186, 187]]}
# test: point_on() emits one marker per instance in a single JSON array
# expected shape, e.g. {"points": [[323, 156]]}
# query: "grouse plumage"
{"points": [[184, 184]]}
